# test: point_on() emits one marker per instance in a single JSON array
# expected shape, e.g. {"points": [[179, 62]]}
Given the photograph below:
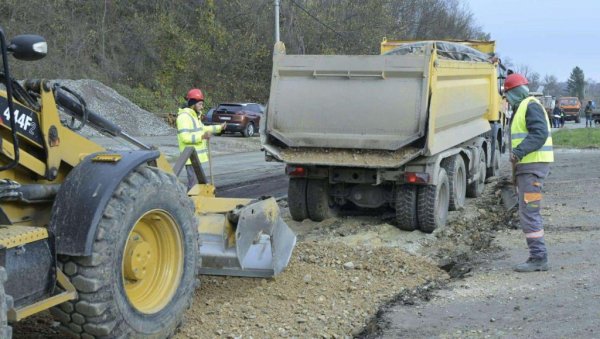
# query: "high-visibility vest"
{"points": [[518, 132], [190, 131]]}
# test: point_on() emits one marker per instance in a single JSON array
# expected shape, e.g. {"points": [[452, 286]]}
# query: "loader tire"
{"points": [[475, 188], [432, 204], [6, 303], [297, 198], [318, 202], [457, 181], [406, 207], [141, 276]]}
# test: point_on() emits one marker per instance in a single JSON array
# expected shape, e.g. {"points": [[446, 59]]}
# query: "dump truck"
{"points": [[572, 108], [417, 128], [110, 241]]}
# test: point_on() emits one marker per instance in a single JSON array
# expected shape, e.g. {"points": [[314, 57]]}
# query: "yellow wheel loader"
{"points": [[110, 241]]}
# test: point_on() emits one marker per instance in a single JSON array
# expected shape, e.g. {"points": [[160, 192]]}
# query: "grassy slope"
{"points": [[577, 138]]}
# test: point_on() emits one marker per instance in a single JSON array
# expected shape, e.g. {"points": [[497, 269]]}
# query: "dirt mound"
{"points": [[111, 105]]}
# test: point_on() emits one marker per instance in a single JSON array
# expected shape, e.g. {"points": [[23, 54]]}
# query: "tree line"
{"points": [[153, 51], [576, 85]]}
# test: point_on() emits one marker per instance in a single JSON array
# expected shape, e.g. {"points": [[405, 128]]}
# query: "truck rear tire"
{"points": [[406, 207], [141, 276], [318, 202], [475, 188], [432, 205], [6, 303], [457, 181], [494, 170], [297, 198]]}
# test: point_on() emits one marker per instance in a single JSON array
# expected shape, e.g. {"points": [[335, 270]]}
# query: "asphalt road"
{"points": [[239, 175], [248, 175]]}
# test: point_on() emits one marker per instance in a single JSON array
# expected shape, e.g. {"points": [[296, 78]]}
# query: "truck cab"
{"points": [[572, 108]]}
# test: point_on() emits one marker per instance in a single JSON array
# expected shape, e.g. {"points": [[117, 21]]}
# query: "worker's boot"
{"points": [[532, 265]]}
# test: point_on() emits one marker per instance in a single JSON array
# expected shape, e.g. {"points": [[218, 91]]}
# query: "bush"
{"points": [[148, 100]]}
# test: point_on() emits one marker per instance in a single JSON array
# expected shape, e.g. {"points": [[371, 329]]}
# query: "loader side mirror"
{"points": [[28, 47]]}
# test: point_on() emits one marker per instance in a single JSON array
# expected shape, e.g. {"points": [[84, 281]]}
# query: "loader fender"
{"points": [[83, 196]]}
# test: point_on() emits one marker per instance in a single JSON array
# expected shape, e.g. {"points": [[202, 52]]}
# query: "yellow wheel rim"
{"points": [[152, 261]]}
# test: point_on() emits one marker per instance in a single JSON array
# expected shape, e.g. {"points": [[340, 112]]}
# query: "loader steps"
{"points": [[13, 236]]}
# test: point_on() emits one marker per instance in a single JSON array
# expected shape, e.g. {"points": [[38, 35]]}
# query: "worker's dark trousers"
{"points": [[530, 180]]}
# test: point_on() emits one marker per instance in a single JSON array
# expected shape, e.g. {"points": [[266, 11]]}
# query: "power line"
{"points": [[316, 19]]}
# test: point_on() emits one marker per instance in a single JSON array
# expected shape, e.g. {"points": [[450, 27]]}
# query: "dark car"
{"points": [[207, 118], [240, 117]]}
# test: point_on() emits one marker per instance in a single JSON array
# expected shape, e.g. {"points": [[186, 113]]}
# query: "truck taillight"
{"points": [[295, 171], [416, 178]]}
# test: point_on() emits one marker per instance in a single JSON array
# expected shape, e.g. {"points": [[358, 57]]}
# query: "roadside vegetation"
{"points": [[154, 51], [577, 138]]}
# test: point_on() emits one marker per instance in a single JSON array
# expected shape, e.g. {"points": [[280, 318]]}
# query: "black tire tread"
{"points": [[297, 198], [406, 207], [317, 200], [451, 166], [494, 170], [427, 204], [475, 188], [92, 276]]}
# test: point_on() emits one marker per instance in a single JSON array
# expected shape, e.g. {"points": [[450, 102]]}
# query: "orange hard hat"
{"points": [[194, 94], [514, 80]]}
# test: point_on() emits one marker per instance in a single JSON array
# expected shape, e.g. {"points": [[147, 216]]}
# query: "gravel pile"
{"points": [[111, 105], [330, 290]]}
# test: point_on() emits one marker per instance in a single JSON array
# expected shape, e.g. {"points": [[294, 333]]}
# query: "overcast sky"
{"points": [[550, 36]]}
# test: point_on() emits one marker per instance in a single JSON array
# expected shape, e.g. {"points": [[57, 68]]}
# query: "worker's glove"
{"points": [[514, 159], [206, 136]]}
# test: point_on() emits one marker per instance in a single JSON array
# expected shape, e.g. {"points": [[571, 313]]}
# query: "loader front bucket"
{"points": [[250, 240]]}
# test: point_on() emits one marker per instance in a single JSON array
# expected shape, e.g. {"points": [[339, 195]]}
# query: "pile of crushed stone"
{"points": [[106, 102], [329, 290], [342, 272]]}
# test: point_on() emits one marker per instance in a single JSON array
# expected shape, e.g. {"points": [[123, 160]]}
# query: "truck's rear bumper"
{"points": [[344, 157]]}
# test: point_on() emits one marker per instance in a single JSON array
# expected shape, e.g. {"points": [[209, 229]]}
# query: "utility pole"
{"points": [[277, 20]]}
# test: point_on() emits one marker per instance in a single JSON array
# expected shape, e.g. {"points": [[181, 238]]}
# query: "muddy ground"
{"points": [[355, 275]]}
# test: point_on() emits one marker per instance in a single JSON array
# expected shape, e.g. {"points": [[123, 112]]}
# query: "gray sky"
{"points": [[550, 36]]}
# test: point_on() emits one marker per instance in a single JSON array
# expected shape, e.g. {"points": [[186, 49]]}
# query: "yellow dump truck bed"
{"points": [[377, 103]]}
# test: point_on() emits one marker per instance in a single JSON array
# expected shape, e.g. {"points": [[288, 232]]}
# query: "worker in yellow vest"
{"points": [[532, 154], [191, 131]]}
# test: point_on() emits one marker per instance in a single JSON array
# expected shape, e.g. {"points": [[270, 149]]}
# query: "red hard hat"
{"points": [[514, 80], [194, 94]]}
